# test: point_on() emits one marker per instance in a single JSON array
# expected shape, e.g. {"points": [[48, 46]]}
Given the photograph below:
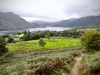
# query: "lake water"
{"points": [[35, 29], [49, 28]]}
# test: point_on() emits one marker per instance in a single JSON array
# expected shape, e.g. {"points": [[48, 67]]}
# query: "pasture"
{"points": [[50, 44]]}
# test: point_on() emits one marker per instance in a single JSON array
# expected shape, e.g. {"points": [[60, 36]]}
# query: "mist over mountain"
{"points": [[88, 21], [11, 21], [43, 23]]}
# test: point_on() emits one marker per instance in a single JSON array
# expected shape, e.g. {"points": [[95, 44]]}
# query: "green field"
{"points": [[21, 35], [50, 44]]}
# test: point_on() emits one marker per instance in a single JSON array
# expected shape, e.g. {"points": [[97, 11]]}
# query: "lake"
{"points": [[35, 29]]}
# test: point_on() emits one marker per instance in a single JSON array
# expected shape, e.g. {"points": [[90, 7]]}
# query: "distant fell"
{"points": [[88, 21], [11, 21], [43, 23]]}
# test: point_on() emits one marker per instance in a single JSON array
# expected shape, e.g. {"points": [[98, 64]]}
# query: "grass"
{"points": [[38, 63], [64, 69], [33, 44], [21, 35], [90, 64]]}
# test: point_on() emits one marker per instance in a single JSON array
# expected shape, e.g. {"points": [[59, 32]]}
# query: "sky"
{"points": [[51, 10]]}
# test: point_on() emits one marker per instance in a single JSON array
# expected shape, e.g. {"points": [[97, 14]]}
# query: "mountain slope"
{"points": [[5, 25], [88, 21], [43, 23], [11, 21], [81, 22]]}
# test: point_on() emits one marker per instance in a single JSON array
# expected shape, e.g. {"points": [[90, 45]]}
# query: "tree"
{"points": [[25, 32], [10, 40], [91, 40], [26, 37], [5, 36], [48, 36], [42, 42], [3, 48]]}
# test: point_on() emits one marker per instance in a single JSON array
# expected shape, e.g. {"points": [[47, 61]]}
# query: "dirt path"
{"points": [[74, 70]]}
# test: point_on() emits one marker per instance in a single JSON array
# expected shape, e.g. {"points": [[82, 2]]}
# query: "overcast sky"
{"points": [[51, 10]]}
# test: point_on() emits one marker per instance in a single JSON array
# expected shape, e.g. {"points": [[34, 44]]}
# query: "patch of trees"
{"points": [[8, 38], [32, 35], [75, 33]]}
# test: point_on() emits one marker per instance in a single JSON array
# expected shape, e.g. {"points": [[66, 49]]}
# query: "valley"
{"points": [[68, 47]]}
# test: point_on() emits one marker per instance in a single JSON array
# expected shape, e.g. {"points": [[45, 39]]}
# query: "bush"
{"points": [[3, 48], [91, 40]]}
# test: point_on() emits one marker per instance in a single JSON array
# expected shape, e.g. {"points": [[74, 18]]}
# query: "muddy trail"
{"points": [[74, 70]]}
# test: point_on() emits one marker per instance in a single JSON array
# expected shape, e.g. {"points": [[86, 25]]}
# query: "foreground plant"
{"points": [[90, 64], [39, 63]]}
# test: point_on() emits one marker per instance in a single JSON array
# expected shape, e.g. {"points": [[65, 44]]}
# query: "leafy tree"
{"points": [[37, 36], [42, 35], [26, 37], [10, 40], [91, 40], [42, 42], [3, 48]]}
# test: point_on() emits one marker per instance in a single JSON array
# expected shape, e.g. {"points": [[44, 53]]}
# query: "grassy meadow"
{"points": [[50, 44]]}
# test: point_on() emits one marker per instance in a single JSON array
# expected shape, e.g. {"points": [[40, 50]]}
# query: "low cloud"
{"points": [[51, 10]]}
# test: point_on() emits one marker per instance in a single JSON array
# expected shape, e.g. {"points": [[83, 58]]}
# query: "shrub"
{"points": [[91, 40], [3, 48]]}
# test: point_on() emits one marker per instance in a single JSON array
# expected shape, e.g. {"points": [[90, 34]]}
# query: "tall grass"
{"points": [[39, 63], [90, 64]]}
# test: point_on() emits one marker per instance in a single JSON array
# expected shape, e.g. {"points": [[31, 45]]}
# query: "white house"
{"points": [[16, 39]]}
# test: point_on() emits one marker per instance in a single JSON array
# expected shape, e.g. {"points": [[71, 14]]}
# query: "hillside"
{"points": [[88, 21], [37, 25], [11, 21]]}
